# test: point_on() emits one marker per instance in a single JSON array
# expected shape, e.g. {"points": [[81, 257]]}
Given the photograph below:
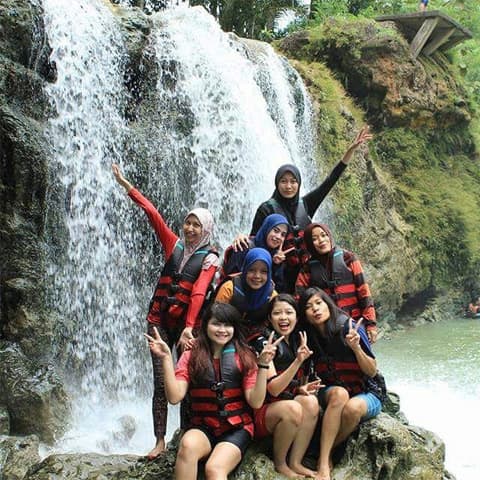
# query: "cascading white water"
{"points": [[96, 289], [236, 125]]}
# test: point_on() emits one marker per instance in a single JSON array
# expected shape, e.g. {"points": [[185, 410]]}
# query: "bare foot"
{"points": [[323, 474], [156, 450], [300, 469], [287, 471]]}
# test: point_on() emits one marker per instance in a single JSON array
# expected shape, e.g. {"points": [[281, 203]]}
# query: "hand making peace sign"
{"points": [[303, 352], [157, 346], [281, 254], [353, 337], [269, 350]]}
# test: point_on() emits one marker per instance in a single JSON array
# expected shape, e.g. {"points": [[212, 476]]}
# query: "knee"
{"points": [[310, 406], [352, 413], [214, 469], [293, 413], [187, 448], [338, 397]]}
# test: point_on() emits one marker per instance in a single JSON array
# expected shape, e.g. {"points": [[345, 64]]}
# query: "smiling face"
{"points": [[288, 185], [276, 236], [317, 312], [257, 275], [192, 230], [283, 318], [321, 241], [219, 333]]}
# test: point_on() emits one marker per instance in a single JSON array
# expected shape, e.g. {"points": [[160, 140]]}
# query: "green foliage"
{"points": [[437, 187], [250, 18]]}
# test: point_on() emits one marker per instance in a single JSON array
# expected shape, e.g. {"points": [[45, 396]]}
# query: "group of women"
{"points": [[283, 347]]}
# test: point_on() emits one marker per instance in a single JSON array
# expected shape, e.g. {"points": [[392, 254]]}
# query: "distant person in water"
{"points": [[190, 265], [225, 381], [299, 211], [422, 6], [474, 308]]}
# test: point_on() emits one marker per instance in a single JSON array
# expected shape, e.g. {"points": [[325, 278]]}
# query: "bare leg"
{"points": [[304, 434], [223, 459], [282, 419], [194, 446], [352, 413], [337, 397]]}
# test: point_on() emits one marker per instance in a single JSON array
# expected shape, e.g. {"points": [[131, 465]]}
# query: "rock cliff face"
{"points": [[28, 387]]}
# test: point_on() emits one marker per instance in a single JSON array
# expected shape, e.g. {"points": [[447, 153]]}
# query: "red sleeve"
{"points": [[197, 297], [249, 378], [364, 296], [167, 238], [181, 370]]}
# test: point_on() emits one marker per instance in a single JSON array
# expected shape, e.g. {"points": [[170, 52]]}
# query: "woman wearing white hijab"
{"points": [[190, 265]]}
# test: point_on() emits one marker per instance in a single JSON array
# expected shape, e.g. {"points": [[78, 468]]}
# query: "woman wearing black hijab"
{"points": [[298, 210]]}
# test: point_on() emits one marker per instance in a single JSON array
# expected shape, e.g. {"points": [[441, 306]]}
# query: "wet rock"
{"points": [[87, 466], [382, 449], [17, 454], [35, 398], [4, 421]]}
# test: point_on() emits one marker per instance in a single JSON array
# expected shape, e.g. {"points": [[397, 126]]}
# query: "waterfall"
{"points": [[224, 115]]}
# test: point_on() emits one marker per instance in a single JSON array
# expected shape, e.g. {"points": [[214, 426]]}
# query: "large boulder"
{"points": [[34, 396], [17, 454], [382, 449]]}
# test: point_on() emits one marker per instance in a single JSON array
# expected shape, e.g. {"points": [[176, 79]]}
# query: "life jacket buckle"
{"points": [[174, 287], [217, 387]]}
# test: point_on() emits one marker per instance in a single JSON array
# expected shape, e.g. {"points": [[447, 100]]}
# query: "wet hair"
{"points": [[333, 326], [202, 351], [282, 297]]}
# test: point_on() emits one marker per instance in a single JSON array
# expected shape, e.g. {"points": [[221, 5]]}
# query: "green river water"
{"points": [[435, 370]]}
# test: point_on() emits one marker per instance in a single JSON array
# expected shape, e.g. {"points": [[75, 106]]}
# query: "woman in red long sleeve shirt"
{"points": [[190, 265]]}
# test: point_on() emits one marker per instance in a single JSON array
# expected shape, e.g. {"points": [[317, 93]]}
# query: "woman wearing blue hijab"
{"points": [[251, 290], [270, 236]]}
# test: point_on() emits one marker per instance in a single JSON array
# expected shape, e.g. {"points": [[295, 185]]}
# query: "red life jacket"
{"points": [[171, 298], [339, 283], [336, 364], [217, 401]]}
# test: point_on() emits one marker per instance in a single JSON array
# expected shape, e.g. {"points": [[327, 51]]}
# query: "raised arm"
{"points": [[256, 396], [282, 381], [175, 390], [313, 199], [120, 178], [165, 235]]}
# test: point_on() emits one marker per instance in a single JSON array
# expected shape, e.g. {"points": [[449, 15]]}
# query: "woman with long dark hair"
{"points": [[343, 359], [224, 381]]}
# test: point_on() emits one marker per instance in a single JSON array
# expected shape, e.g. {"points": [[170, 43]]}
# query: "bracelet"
{"points": [[259, 365]]}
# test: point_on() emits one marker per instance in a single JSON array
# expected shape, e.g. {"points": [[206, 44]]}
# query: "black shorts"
{"points": [[239, 437]]}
